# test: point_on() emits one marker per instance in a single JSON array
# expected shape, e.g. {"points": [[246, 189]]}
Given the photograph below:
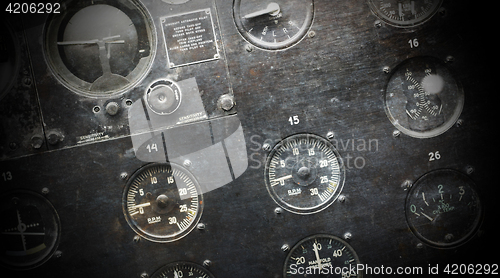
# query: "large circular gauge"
{"points": [[182, 269], [30, 229], [322, 256], [443, 208], [100, 47], [304, 173], [405, 13], [422, 99], [273, 24], [162, 202]]}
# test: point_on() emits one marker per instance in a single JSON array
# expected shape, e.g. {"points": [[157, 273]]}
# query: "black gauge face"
{"points": [[405, 13], [30, 230], [443, 209], [304, 173], [422, 99], [100, 48], [182, 269], [163, 97], [322, 256], [162, 202], [273, 24]]}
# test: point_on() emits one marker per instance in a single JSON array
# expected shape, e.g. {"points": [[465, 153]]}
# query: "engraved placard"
{"points": [[190, 38]]}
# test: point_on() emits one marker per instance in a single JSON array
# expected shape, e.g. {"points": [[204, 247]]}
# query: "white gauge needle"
{"points": [[315, 248], [284, 178], [427, 216], [141, 205], [272, 9]]}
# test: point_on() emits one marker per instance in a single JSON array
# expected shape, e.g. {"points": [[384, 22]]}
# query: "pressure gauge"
{"points": [[322, 256], [30, 229], [273, 24], [304, 173], [443, 208], [101, 47], [405, 13], [422, 98], [182, 269], [162, 202]]}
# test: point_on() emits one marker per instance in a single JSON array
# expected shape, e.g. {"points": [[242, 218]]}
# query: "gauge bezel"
{"points": [[436, 131], [401, 23], [307, 210], [162, 238], [297, 38], [53, 230], [51, 51], [160, 273], [317, 236], [475, 226]]}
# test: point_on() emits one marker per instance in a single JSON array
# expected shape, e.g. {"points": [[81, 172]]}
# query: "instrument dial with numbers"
{"points": [[182, 269], [273, 24], [405, 13], [322, 256], [304, 173], [162, 202], [443, 209]]}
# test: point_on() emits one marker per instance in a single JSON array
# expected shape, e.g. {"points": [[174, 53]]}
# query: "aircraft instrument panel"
{"points": [[247, 138]]}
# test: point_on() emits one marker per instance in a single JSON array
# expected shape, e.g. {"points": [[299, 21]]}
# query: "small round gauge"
{"points": [[322, 256], [182, 269], [162, 202], [273, 24], [405, 13], [163, 97], [304, 173], [30, 229], [422, 99], [101, 47], [443, 208]]}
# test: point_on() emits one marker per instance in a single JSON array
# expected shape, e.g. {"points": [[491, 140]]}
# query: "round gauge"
{"points": [[443, 208], [182, 269], [405, 13], [30, 229], [101, 47], [304, 173], [9, 58], [273, 24], [422, 99], [322, 256], [163, 97], [162, 202]]}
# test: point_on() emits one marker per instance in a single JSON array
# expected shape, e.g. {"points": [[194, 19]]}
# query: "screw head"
{"points": [[45, 190], [187, 163], [36, 142], [249, 48], [58, 254], [330, 135], [226, 102], [266, 147], [201, 226], [144, 275], [386, 69], [341, 198], [124, 176], [207, 263], [377, 23], [285, 247], [311, 34], [137, 238], [347, 236], [396, 133], [278, 210]]}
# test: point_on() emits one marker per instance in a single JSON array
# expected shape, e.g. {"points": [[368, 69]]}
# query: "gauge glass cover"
{"points": [[30, 229], [273, 25], [182, 269], [443, 208], [322, 256], [100, 48], [422, 99], [406, 13], [162, 202], [304, 173]]}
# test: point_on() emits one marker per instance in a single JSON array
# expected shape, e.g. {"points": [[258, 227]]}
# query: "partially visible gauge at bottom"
{"points": [[162, 202], [30, 230], [443, 208], [322, 256], [182, 269]]}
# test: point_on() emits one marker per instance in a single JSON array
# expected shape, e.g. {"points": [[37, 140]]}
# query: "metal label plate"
{"points": [[190, 38]]}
